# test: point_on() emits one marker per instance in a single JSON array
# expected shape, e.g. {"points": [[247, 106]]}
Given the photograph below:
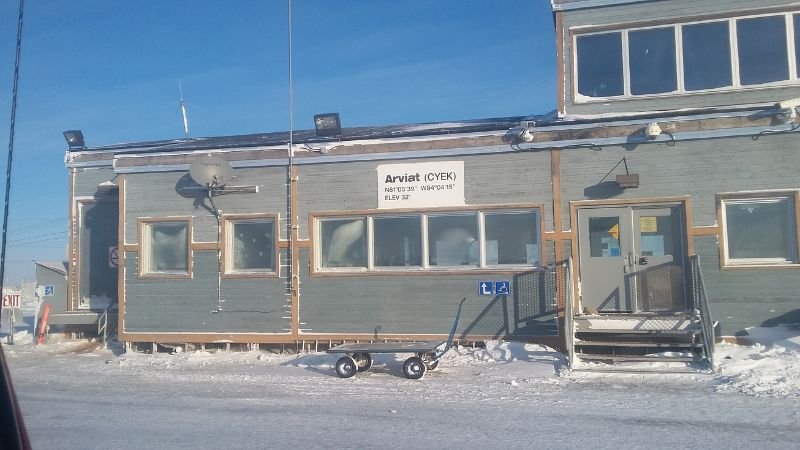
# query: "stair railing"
{"points": [[102, 324], [569, 316], [700, 305]]}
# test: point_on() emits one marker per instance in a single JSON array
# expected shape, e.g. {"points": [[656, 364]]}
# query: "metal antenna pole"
{"points": [[11, 150], [183, 112], [290, 220]]}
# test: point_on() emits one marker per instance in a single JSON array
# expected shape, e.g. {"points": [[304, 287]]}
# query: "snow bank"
{"points": [[771, 367]]}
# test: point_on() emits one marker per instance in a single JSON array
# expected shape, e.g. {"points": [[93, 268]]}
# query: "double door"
{"points": [[632, 258]]}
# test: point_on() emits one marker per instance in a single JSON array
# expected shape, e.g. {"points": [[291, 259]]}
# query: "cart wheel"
{"points": [[414, 368], [363, 361], [432, 365], [346, 367]]}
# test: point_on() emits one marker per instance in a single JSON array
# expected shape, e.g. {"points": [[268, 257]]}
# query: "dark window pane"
{"points": [[98, 279], [652, 61], [760, 229], [706, 56], [796, 20], [397, 241], [600, 65], [762, 50], [253, 247], [453, 240], [343, 242], [512, 238], [604, 237]]}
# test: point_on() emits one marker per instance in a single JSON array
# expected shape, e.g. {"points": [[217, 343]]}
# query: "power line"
{"points": [[27, 238]]}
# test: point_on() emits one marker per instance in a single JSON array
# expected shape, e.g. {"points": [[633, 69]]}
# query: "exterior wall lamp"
{"points": [[328, 124], [74, 139]]}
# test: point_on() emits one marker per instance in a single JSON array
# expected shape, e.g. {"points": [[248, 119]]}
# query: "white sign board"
{"points": [[421, 185]]}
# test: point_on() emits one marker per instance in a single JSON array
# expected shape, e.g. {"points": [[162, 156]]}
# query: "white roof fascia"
{"points": [[584, 4], [536, 146]]}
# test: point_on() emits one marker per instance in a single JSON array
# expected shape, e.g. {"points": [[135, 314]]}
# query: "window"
{"points": [[250, 246], [762, 50], [512, 238], [344, 242], [604, 237], [796, 26], [600, 65], [760, 231], [453, 240], [644, 61], [397, 241], [166, 248], [652, 61], [430, 241], [706, 56]]}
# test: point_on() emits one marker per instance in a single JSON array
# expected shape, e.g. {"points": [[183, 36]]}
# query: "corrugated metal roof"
{"points": [[310, 137], [55, 266]]}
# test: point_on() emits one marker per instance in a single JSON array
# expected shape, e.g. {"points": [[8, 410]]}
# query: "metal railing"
{"points": [[700, 306], [103, 328], [569, 316]]}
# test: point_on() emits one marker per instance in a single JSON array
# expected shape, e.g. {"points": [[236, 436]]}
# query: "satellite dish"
{"points": [[211, 171]]}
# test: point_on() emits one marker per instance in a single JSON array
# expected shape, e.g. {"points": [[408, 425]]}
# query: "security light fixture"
{"points": [[526, 135], [107, 186], [74, 139], [653, 130], [328, 124]]}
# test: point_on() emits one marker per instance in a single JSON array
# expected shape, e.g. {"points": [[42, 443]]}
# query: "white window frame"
{"points": [[145, 248], [228, 253], [736, 85], [478, 213], [759, 197]]}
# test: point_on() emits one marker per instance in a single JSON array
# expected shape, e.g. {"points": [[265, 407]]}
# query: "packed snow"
{"points": [[77, 395]]}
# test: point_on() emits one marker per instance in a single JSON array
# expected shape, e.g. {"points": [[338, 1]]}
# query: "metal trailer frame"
{"points": [[427, 354]]}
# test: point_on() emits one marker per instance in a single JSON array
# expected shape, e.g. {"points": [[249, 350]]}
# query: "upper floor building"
{"points": [[631, 56]]}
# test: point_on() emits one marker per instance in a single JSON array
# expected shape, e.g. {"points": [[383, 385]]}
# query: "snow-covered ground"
{"points": [[75, 395]]}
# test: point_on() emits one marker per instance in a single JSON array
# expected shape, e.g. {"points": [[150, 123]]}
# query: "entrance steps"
{"points": [[609, 339]]}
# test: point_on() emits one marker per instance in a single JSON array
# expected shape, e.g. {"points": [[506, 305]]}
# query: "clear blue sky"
{"points": [[111, 69]]}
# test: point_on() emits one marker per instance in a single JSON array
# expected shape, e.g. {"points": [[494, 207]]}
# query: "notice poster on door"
{"points": [[648, 224]]}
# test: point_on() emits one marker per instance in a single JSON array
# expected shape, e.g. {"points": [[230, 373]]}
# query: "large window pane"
{"points": [[253, 246], [796, 21], [652, 61], [343, 242], [453, 240], [762, 50], [512, 238], [604, 237], [600, 65], [169, 248], [760, 229], [706, 56], [397, 241]]}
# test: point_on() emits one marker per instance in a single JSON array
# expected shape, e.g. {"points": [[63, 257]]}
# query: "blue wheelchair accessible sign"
{"points": [[502, 287]]}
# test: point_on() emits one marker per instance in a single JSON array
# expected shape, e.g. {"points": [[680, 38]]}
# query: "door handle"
{"points": [[643, 260]]}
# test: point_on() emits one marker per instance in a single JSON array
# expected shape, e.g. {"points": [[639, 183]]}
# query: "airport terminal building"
{"points": [[665, 188]]}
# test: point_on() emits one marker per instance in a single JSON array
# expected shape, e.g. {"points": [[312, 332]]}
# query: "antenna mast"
{"points": [[183, 112]]}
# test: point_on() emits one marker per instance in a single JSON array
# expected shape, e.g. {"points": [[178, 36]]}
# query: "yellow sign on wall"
{"points": [[648, 224]]}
